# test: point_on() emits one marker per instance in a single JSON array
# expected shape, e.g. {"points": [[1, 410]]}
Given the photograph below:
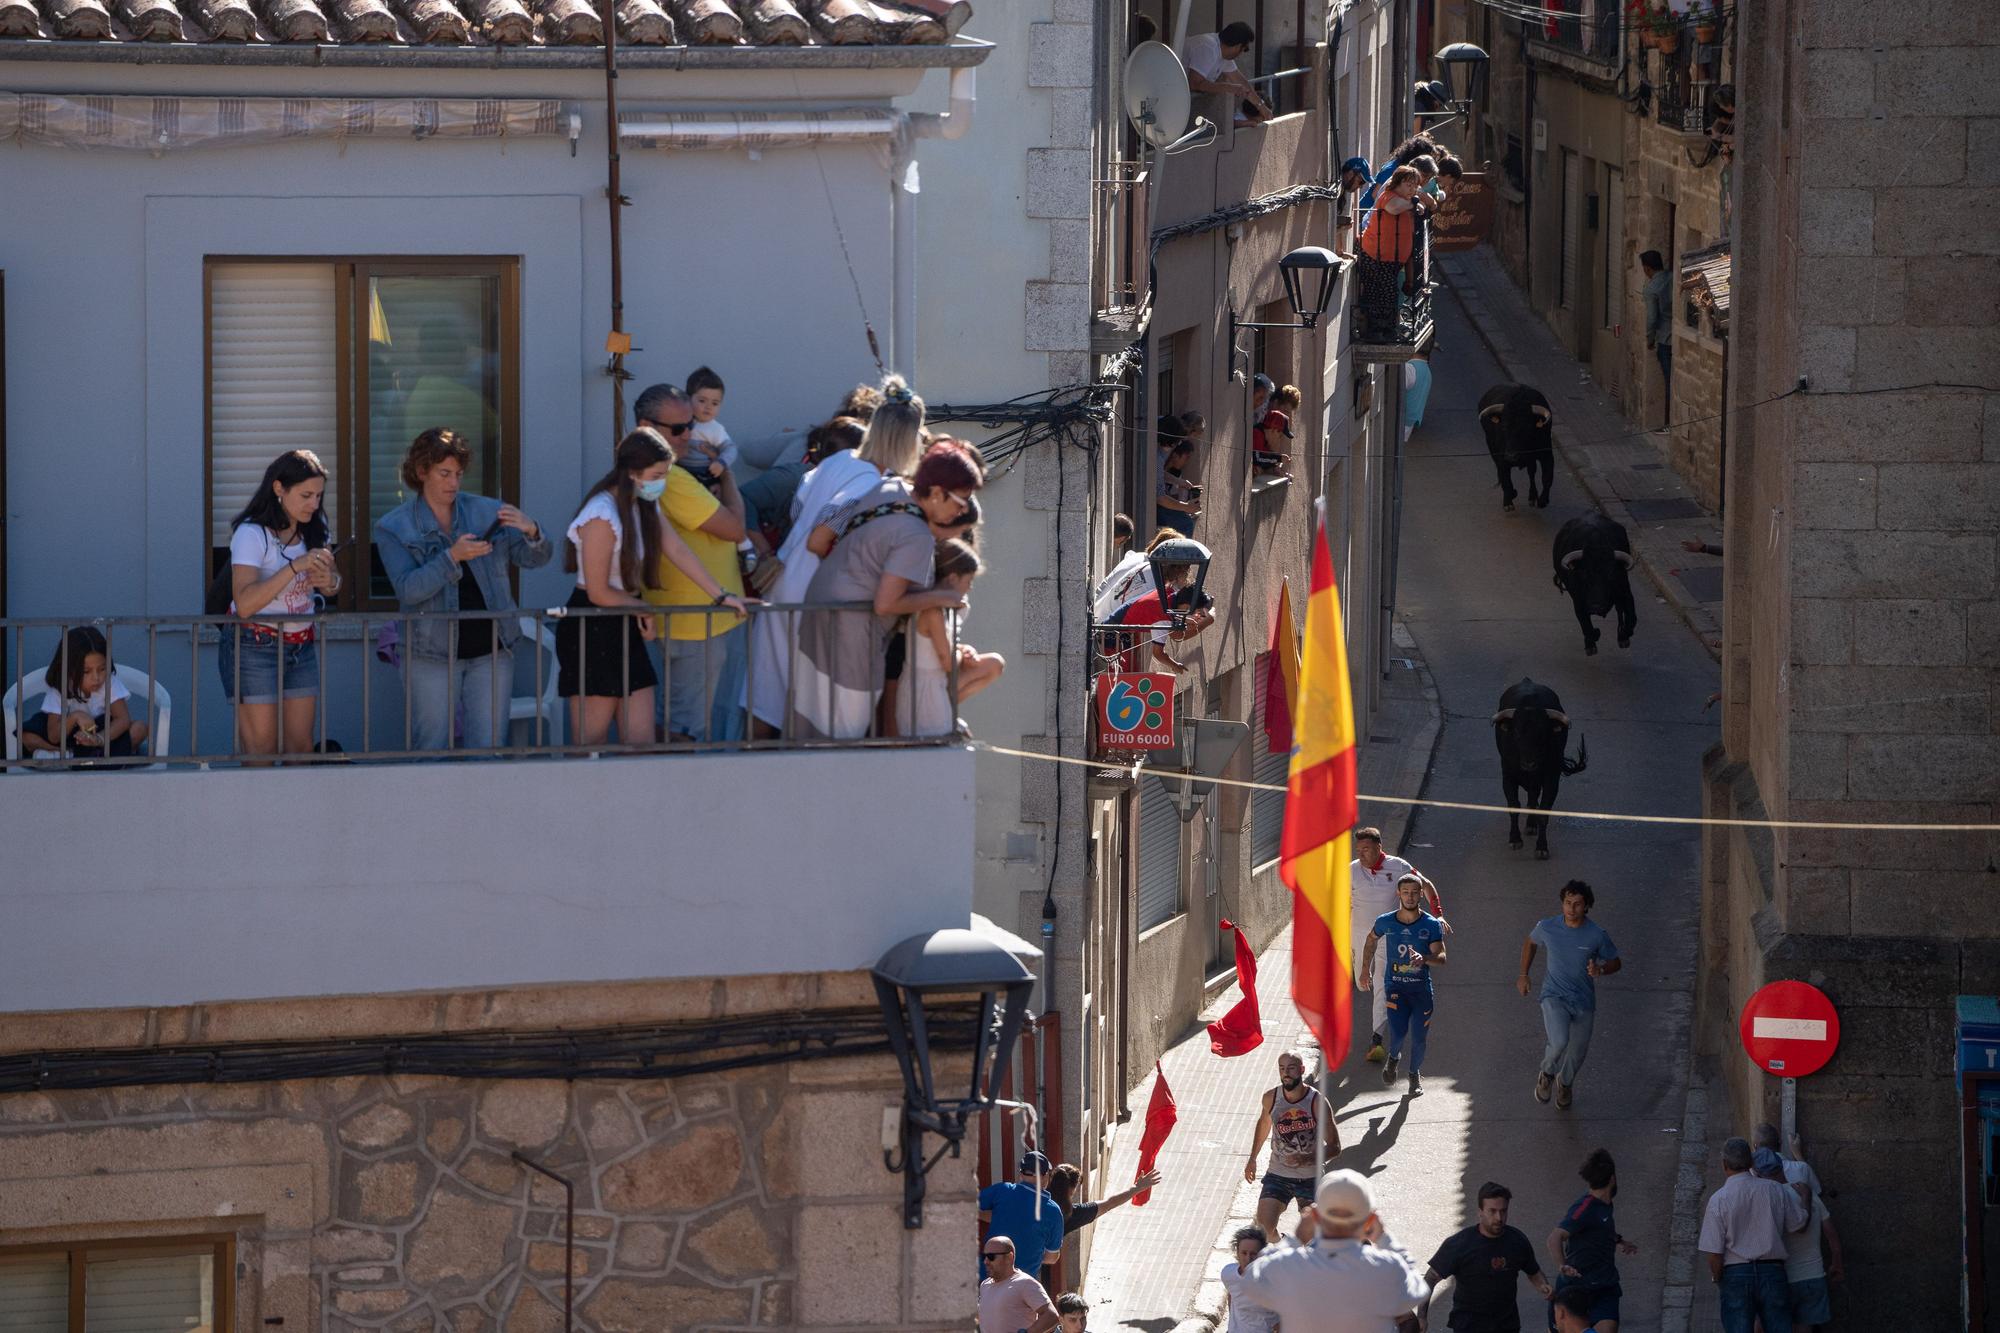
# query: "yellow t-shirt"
{"points": [[687, 505]]}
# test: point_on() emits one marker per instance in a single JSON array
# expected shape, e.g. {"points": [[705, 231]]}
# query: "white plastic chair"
{"points": [[146, 692], [526, 707]]}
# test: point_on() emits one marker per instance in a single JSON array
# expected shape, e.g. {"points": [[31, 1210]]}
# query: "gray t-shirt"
{"points": [[1569, 950]]}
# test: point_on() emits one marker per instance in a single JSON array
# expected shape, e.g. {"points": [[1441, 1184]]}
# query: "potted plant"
{"points": [[1707, 20], [1657, 27]]}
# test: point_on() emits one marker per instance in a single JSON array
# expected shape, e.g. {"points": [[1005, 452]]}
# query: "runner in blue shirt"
{"points": [[1579, 953], [1585, 1244], [1414, 939]]}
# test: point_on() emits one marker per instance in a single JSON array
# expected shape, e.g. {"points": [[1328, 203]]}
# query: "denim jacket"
{"points": [[416, 555]]}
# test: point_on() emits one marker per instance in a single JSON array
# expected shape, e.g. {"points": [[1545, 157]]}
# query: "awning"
{"points": [[758, 130], [161, 124], [1705, 279]]}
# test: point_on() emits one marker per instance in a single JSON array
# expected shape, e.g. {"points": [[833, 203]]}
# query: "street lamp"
{"points": [[1178, 551], [923, 968], [1310, 274], [1462, 68]]}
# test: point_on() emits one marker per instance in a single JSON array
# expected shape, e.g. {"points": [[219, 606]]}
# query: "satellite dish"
{"points": [[1156, 93]]}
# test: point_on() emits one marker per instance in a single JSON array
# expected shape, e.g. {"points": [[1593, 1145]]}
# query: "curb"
{"points": [[1694, 614]]}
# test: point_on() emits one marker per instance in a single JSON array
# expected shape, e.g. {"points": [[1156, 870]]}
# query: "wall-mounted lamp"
{"points": [[927, 967], [1310, 274], [1462, 70]]}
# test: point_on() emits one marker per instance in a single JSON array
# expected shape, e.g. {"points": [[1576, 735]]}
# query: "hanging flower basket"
{"points": [[1704, 32], [1666, 43]]}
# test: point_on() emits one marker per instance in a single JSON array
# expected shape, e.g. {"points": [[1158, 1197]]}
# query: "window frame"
{"points": [[221, 1243], [351, 274]]}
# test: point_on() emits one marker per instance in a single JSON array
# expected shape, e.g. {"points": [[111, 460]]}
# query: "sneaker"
{"points": [[1389, 1070], [1416, 1084], [1376, 1052], [1562, 1096], [1542, 1083]]}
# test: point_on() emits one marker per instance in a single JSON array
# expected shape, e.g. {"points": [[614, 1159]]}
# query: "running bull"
{"points": [[1593, 559], [1516, 420], [1532, 731]]}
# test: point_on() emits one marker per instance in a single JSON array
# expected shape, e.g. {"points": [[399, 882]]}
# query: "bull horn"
{"points": [[1541, 414], [1569, 561], [1623, 557], [1492, 411], [1504, 715], [1561, 719]]}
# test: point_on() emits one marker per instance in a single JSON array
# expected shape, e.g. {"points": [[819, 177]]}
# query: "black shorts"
{"points": [[1288, 1189], [602, 656]]}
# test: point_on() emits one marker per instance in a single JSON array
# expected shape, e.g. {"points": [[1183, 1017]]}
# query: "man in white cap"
{"points": [[1352, 1278]]}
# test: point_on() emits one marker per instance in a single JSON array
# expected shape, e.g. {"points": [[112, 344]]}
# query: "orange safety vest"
{"points": [[1390, 237]]}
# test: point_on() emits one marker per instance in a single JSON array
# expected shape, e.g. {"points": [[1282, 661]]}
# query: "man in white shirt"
{"points": [[1010, 1301], [1743, 1232], [1373, 892], [1351, 1277], [1210, 58]]}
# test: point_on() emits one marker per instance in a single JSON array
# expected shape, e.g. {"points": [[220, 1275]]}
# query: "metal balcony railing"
{"points": [[1587, 27], [363, 684], [1119, 221]]}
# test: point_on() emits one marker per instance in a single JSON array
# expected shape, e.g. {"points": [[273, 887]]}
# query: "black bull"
{"points": [[1531, 731], [1593, 562], [1516, 419]]}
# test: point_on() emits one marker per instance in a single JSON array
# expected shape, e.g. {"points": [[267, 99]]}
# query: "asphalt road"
{"points": [[1476, 593]]}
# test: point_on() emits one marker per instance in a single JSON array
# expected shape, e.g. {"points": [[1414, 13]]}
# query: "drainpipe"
{"points": [[951, 125]]}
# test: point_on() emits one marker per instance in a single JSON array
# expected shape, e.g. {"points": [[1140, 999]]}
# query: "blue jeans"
{"points": [[259, 670], [480, 689], [704, 680], [1755, 1291], [1569, 1039], [1409, 1014]]}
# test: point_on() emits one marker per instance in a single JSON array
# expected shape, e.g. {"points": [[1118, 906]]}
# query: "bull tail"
{"points": [[1577, 765]]}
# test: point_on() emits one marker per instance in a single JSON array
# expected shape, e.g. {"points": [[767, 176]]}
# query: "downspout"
{"points": [[951, 125]]}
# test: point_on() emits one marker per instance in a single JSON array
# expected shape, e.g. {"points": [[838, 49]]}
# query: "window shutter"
{"points": [[152, 1294], [273, 378], [1267, 808], [34, 1295], [1159, 855]]}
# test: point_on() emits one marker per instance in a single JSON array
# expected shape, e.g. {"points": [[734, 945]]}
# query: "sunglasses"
{"points": [[997, 1254], [681, 428]]}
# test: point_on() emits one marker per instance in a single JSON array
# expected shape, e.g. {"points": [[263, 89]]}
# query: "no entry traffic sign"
{"points": [[1790, 1029]]}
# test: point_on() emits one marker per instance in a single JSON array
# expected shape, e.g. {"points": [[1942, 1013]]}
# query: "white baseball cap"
{"points": [[1344, 1197]]}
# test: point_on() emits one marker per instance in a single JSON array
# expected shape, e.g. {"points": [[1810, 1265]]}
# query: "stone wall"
{"points": [[754, 1198]]}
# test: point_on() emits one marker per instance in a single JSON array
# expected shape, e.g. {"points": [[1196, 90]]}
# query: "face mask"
{"points": [[651, 491]]}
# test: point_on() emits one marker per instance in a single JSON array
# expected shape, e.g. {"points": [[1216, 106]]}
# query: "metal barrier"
{"points": [[182, 684]]}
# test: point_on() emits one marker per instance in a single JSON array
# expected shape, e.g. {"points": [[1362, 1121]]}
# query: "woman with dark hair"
{"points": [[279, 564], [882, 554], [602, 667], [448, 551]]}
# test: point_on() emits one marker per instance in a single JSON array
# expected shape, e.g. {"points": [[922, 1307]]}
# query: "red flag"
{"points": [[1160, 1117], [1241, 1030]]}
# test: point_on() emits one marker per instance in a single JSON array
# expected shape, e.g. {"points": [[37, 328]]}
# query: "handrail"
{"points": [[1281, 74], [180, 658]]}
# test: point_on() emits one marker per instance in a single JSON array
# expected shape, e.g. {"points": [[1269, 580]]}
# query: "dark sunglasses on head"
{"points": [[681, 428]]}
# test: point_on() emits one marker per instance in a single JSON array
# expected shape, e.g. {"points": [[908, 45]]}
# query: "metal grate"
{"points": [[1161, 861]]}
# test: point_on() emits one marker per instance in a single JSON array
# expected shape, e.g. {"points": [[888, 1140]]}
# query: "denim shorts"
{"points": [[259, 667], [1288, 1189], [1810, 1303]]}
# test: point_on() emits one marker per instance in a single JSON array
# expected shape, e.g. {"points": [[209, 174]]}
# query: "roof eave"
{"points": [[959, 53]]}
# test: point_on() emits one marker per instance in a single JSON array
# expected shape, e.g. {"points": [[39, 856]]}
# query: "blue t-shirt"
{"points": [[1407, 949], [1568, 950], [1592, 1244], [1012, 1204]]}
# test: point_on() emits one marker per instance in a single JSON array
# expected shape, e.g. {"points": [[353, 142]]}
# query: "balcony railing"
{"points": [[1586, 27], [1681, 101], [1119, 221], [364, 684]]}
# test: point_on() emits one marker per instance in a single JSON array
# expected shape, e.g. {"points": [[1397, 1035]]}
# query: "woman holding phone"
{"points": [[445, 550]]}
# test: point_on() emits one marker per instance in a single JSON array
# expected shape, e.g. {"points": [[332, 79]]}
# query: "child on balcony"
{"points": [[924, 703], [710, 451], [1272, 452], [84, 712], [1178, 501]]}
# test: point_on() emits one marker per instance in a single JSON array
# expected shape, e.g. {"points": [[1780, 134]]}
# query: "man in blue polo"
{"points": [[1026, 1212], [1413, 939]]}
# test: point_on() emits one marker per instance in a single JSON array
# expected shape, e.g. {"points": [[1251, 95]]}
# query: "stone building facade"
{"points": [[1863, 612], [750, 1198]]}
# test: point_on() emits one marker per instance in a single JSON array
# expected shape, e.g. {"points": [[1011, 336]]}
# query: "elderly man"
{"points": [[1350, 1278], [1743, 1233], [1008, 1300], [1210, 58]]}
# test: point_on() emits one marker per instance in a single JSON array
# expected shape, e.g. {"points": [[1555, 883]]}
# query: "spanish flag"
{"points": [[1319, 817]]}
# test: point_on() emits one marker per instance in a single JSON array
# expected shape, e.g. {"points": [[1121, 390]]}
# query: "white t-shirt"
{"points": [[600, 505], [1203, 56], [255, 545], [1374, 892], [715, 433], [55, 705], [1245, 1315], [1803, 1259]]}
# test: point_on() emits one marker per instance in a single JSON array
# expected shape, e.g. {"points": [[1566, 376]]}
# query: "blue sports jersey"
{"points": [[1407, 948]]}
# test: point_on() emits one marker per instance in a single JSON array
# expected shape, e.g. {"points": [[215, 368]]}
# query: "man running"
{"points": [[1291, 1119], [1483, 1261], [1579, 953], [1374, 877], [1586, 1244], [1415, 940]]}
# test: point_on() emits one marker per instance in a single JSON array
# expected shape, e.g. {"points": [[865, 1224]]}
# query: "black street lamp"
{"points": [[1462, 69], [1310, 274], [927, 967]]}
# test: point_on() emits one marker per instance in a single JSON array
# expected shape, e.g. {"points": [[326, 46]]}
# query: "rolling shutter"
{"points": [[34, 1295], [150, 1294], [273, 378], [1159, 855], [1267, 808]]}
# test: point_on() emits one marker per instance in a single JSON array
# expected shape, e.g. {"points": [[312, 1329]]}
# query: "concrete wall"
{"points": [[756, 1196], [1860, 646], [187, 889]]}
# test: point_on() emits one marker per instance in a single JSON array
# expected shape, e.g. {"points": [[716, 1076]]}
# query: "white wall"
{"points": [[184, 887]]}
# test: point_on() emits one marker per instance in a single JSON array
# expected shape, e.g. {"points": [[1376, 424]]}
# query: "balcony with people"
{"points": [[308, 790], [1394, 280]]}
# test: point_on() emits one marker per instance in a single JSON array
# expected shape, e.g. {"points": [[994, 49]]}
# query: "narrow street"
{"points": [[1476, 595]]}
